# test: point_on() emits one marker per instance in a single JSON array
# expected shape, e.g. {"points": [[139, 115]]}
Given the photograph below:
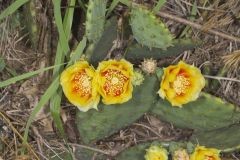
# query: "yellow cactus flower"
{"points": [[202, 153], [114, 79], [180, 155], [79, 85], [156, 153], [181, 83]]}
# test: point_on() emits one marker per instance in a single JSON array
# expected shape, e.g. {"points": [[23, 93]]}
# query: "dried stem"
{"points": [[198, 26], [16, 132], [222, 78]]}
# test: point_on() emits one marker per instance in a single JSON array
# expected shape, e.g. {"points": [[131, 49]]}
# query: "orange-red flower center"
{"points": [[82, 84], [115, 81], [181, 84]]}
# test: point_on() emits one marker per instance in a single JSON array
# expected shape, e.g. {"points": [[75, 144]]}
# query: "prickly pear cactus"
{"points": [[95, 19], [137, 52], [79, 154], [206, 113], [226, 139], [30, 22], [105, 43], [149, 30], [94, 125]]}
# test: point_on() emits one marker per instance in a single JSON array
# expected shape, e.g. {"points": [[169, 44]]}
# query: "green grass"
{"points": [[158, 6], [24, 76], [12, 8], [62, 51]]}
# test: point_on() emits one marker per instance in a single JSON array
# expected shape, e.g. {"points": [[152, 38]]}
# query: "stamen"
{"points": [[82, 84], [115, 81], [208, 158], [181, 84]]}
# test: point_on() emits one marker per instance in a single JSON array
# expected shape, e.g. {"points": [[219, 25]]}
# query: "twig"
{"points": [[15, 131], [90, 148], [198, 26], [144, 126], [222, 78]]}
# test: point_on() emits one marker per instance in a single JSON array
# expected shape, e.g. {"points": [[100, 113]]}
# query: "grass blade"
{"points": [[193, 15], [59, 24], [82, 5], [12, 8], [2, 64], [115, 3], [76, 54], [51, 90], [55, 102], [112, 6], [126, 2], [158, 6], [24, 76], [44, 99]]}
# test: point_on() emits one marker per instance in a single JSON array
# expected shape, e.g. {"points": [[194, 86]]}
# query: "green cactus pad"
{"points": [[79, 154], [105, 43], [226, 139], [95, 19], [137, 52], [94, 125], [206, 113], [138, 152], [149, 30], [30, 22], [85, 154]]}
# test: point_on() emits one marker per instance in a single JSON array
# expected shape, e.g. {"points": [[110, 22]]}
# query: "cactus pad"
{"points": [[30, 22], [226, 139], [105, 43], [95, 19], [149, 30], [137, 52], [206, 113], [94, 125]]}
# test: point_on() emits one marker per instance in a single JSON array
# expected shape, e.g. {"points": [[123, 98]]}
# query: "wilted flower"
{"points": [[79, 85], [181, 83], [180, 155], [202, 153], [115, 81], [149, 66], [156, 153]]}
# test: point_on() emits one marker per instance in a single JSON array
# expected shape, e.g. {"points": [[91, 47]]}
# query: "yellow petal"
{"points": [[202, 153], [156, 153]]}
